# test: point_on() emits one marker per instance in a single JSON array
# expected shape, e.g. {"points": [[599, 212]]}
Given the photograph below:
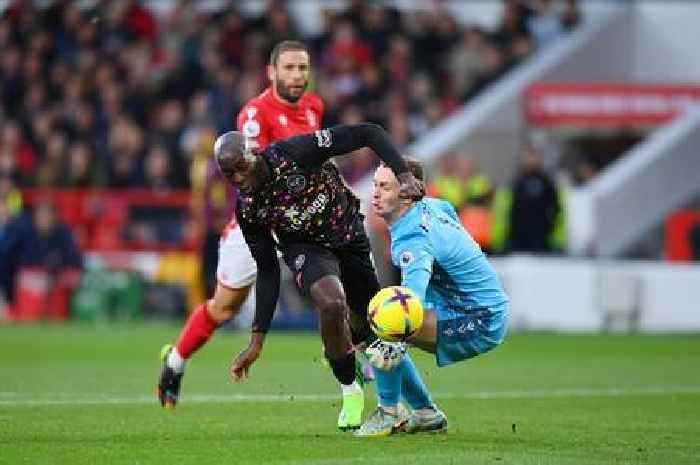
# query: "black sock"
{"points": [[359, 329], [344, 368]]}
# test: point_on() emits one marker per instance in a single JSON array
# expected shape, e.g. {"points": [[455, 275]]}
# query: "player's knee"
{"points": [[332, 308], [219, 310], [329, 298], [224, 308]]}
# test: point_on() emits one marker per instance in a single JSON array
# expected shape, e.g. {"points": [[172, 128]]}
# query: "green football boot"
{"points": [[350, 417], [168, 390]]}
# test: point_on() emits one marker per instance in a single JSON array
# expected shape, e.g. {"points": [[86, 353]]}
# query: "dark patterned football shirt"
{"points": [[310, 205], [305, 201]]}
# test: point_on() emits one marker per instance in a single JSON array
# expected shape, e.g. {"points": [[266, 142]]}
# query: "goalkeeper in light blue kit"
{"points": [[466, 308]]}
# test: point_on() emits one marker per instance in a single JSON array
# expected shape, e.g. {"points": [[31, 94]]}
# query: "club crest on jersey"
{"points": [[299, 262], [323, 138], [406, 258], [283, 120], [296, 183]]}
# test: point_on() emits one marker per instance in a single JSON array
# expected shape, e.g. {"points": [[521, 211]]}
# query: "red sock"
{"points": [[197, 331]]}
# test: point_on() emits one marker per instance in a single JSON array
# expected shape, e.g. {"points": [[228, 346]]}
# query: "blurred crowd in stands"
{"points": [[119, 96], [525, 216], [116, 96]]}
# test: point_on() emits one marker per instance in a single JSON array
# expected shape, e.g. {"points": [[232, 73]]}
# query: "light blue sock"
{"points": [[388, 386], [403, 381], [413, 390]]}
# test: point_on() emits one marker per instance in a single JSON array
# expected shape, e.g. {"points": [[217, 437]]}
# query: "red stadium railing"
{"points": [[103, 219]]}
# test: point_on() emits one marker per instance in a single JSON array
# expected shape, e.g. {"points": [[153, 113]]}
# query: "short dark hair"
{"points": [[415, 167], [285, 46]]}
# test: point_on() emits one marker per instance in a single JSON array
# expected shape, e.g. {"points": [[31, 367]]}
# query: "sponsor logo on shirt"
{"points": [[283, 120], [296, 183], [297, 218]]}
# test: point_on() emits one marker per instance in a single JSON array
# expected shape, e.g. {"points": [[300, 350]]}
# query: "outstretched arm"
{"points": [[313, 149], [262, 247]]}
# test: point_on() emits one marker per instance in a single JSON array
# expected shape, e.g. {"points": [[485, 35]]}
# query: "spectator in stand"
{"points": [[466, 60], [126, 146], [157, 173], [545, 23], [534, 208], [82, 168], [475, 215], [584, 171], [168, 131], [373, 87], [342, 59], [51, 165], [571, 16], [19, 156], [37, 240], [447, 182], [278, 24], [513, 24], [494, 65], [10, 196]]}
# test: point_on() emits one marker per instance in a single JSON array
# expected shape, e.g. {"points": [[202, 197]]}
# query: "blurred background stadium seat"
{"points": [[562, 132]]}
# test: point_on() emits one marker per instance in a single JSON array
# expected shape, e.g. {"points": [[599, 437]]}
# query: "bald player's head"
{"points": [[236, 162]]}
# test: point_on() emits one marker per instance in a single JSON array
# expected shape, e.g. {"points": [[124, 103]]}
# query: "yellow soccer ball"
{"points": [[395, 313]]}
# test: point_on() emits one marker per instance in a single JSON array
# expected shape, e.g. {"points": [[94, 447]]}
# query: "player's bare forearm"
{"points": [[262, 247]]}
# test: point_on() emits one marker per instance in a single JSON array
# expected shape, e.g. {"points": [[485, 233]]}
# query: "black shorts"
{"points": [[352, 264]]}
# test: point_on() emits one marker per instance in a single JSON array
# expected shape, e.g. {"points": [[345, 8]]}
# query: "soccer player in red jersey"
{"points": [[284, 109]]}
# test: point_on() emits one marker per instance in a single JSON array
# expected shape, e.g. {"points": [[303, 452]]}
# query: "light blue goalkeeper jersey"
{"points": [[441, 262]]}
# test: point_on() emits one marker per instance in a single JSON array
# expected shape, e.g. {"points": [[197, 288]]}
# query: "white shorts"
{"points": [[236, 266]]}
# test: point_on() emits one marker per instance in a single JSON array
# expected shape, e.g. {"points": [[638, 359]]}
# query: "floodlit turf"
{"points": [[84, 395]]}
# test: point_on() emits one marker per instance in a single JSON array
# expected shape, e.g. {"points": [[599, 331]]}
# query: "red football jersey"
{"points": [[265, 119]]}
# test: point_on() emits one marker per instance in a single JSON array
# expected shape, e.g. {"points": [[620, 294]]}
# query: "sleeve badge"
{"points": [[251, 128], [323, 138]]}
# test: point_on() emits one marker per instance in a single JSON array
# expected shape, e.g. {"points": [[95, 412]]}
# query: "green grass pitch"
{"points": [[84, 395]]}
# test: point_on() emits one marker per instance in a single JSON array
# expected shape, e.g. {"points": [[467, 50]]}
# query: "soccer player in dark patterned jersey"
{"points": [[293, 200], [284, 109]]}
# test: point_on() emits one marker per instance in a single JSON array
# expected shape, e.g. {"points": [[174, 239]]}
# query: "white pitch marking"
{"points": [[18, 399]]}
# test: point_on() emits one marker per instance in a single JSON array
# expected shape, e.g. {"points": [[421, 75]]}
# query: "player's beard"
{"points": [[285, 93]]}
